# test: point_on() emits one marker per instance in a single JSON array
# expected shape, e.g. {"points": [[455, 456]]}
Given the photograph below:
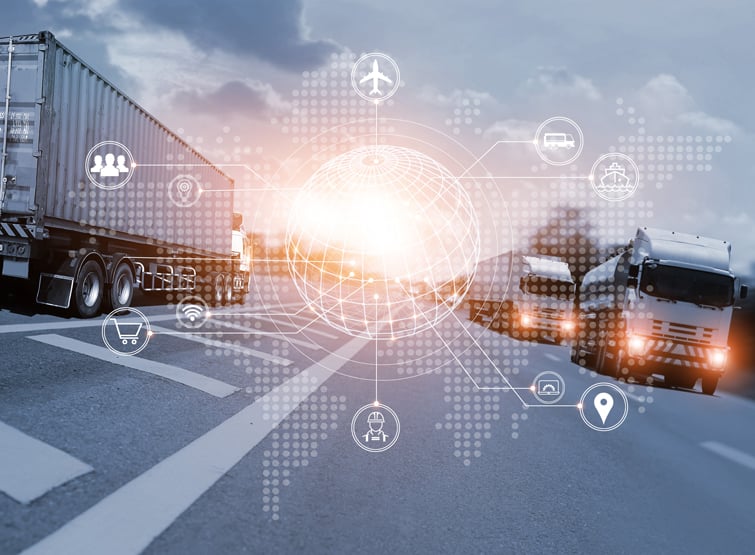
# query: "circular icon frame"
{"points": [[184, 318], [126, 338], [543, 156], [536, 387], [625, 158], [396, 80], [176, 186], [374, 407], [582, 407], [122, 182]]}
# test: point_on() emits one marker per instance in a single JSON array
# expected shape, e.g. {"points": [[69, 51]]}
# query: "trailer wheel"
{"points": [[121, 291], [89, 290], [709, 383], [218, 285], [227, 291]]}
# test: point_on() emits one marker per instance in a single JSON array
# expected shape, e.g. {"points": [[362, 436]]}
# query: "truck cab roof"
{"points": [[547, 267], [693, 250]]}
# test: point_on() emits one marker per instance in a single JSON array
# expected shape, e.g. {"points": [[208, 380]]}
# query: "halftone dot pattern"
{"points": [[324, 100], [660, 157], [466, 113], [297, 438]]}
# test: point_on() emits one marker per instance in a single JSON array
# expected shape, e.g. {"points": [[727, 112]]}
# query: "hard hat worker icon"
{"points": [[375, 420]]}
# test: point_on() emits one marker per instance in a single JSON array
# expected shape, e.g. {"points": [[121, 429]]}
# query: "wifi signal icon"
{"points": [[192, 312]]}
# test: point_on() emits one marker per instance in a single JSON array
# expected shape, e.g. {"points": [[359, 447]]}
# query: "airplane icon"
{"points": [[376, 76]]}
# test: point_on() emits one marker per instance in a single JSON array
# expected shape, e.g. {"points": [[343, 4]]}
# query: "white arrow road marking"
{"points": [[128, 520], [29, 468], [174, 373]]}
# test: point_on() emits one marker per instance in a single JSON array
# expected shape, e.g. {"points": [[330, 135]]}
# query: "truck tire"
{"points": [[89, 291], [227, 291], [710, 383], [218, 286], [121, 291]]}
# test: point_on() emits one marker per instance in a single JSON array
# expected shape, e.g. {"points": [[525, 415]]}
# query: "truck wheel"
{"points": [[217, 289], [227, 291], [89, 290], [710, 383], [121, 291]]}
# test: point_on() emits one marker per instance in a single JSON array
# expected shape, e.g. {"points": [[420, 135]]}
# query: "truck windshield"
{"points": [[683, 284], [549, 287]]}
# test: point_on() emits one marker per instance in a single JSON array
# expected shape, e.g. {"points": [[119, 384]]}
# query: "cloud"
{"points": [[457, 97], [665, 98], [666, 95], [272, 30], [511, 129], [234, 98], [559, 81]]}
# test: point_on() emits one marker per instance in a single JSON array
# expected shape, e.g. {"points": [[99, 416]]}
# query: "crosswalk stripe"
{"points": [[128, 520], [29, 468], [730, 453], [174, 373], [197, 338]]}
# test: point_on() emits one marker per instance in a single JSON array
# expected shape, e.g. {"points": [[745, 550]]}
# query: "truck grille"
{"points": [[547, 312], [682, 332]]}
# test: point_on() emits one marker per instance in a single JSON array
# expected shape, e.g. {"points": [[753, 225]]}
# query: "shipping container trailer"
{"points": [[98, 198]]}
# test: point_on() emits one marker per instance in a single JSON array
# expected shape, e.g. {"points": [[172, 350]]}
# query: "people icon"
{"points": [[121, 167], [109, 169], [375, 434], [97, 168]]}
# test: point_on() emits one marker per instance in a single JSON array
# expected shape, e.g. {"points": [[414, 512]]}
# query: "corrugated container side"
{"points": [[81, 110]]}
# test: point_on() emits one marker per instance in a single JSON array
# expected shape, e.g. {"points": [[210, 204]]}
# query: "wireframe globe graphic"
{"points": [[382, 242]]}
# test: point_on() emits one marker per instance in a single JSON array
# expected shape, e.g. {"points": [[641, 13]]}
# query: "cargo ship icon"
{"points": [[615, 180]]}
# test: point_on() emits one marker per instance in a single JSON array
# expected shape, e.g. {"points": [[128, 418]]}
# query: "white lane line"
{"points": [[553, 357], [194, 336], [29, 468], [128, 520], [730, 453], [261, 333], [69, 324], [174, 373]]}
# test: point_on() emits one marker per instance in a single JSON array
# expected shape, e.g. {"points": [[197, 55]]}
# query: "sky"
{"points": [[229, 75]]}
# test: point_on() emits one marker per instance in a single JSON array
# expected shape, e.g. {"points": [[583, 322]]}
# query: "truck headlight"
{"points": [[717, 357], [568, 326], [526, 320], [636, 345]]}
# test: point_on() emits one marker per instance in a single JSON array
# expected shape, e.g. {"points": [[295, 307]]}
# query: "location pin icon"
{"points": [[603, 404]]}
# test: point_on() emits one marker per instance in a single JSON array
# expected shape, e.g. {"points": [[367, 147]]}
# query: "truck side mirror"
{"points": [[522, 284], [634, 272], [743, 289]]}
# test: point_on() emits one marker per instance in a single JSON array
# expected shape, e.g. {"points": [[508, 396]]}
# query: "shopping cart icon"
{"points": [[128, 331]]}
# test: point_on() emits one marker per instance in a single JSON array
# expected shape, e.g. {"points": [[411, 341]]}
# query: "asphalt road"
{"points": [[239, 443]]}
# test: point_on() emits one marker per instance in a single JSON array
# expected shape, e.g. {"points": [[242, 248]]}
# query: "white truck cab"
{"points": [[544, 302], [661, 307]]}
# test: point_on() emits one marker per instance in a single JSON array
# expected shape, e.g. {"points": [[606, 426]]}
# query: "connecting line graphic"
{"points": [[477, 161], [508, 386], [551, 177], [269, 186], [264, 315]]}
